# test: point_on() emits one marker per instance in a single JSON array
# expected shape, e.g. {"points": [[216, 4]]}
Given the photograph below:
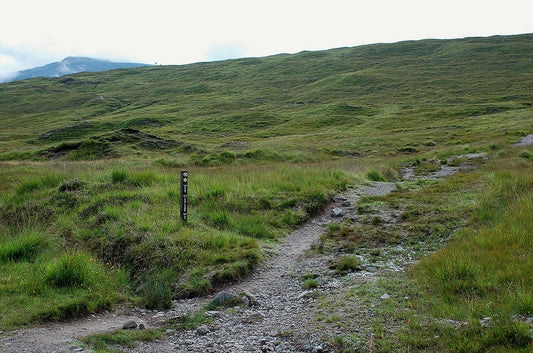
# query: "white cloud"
{"points": [[8, 66], [7, 60], [225, 51]]}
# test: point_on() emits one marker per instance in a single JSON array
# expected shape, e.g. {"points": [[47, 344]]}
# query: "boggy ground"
{"points": [[279, 313]]}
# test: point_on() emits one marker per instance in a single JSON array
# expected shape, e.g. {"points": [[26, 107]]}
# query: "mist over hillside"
{"points": [[70, 65]]}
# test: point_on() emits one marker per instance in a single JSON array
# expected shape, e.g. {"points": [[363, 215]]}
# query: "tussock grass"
{"points": [[24, 247], [45, 287], [374, 175], [310, 283], [44, 182], [346, 264], [70, 270], [124, 338], [127, 217], [157, 291]]}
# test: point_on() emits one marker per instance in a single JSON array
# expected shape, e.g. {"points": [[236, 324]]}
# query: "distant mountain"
{"points": [[71, 65]]}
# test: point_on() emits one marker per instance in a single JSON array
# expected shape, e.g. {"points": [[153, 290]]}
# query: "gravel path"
{"points": [[59, 337], [278, 319], [283, 318]]}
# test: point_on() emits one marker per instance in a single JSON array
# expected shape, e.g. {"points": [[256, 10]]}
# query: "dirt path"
{"points": [[59, 337], [281, 319]]}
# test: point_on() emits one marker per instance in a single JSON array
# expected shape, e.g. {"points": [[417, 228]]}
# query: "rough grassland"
{"points": [[89, 169]]}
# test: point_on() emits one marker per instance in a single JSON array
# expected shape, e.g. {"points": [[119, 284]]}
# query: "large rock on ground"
{"points": [[223, 297], [337, 212]]}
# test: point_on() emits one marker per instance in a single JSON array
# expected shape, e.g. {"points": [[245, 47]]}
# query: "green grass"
{"points": [[123, 338], [89, 191], [351, 102], [481, 271], [346, 264], [71, 270], [198, 318], [127, 217], [43, 285], [485, 271], [309, 281], [24, 247], [374, 175]]}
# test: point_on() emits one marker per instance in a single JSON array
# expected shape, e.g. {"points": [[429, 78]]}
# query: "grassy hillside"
{"points": [[432, 93], [89, 167]]}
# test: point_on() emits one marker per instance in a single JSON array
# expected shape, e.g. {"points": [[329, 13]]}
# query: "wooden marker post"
{"points": [[183, 193]]}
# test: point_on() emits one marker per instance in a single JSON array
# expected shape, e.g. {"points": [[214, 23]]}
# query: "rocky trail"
{"points": [[270, 311]]}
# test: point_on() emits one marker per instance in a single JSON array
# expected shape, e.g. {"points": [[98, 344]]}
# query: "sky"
{"points": [[37, 32]]}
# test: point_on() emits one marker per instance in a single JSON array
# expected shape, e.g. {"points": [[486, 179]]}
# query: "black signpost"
{"points": [[183, 193]]}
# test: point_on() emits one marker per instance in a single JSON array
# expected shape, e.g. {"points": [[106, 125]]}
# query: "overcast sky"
{"points": [[37, 32]]}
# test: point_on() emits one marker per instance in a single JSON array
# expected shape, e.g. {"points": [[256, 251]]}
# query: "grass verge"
{"points": [[471, 295], [482, 279]]}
